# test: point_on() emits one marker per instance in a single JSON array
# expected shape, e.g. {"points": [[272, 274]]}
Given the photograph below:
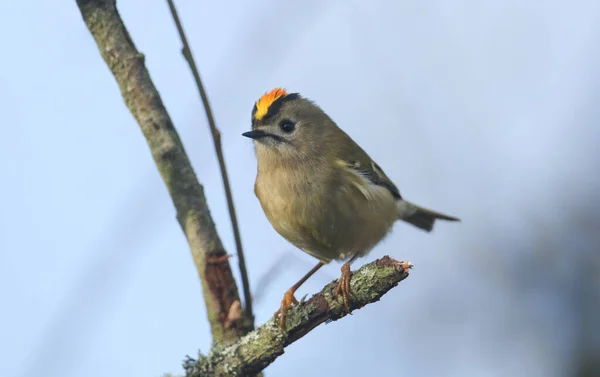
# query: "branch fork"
{"points": [[236, 352]]}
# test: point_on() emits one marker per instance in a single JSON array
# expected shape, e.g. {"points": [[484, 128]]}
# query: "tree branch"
{"points": [[144, 102], [261, 347], [230, 356], [216, 134]]}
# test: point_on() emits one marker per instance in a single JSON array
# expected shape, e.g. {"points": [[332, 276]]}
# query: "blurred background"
{"points": [[483, 110]]}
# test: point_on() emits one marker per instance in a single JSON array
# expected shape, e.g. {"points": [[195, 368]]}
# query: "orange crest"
{"points": [[264, 102]]}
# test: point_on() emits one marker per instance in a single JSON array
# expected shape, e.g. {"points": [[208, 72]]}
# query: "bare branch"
{"points": [[144, 102], [216, 134], [259, 348]]}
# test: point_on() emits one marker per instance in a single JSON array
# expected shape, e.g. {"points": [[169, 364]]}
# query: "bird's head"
{"points": [[289, 126]]}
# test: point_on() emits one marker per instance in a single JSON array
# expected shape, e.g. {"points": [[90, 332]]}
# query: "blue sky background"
{"points": [[483, 110]]}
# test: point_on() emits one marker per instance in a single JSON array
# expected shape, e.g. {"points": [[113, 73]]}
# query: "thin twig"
{"points": [[216, 134], [143, 100], [259, 348]]}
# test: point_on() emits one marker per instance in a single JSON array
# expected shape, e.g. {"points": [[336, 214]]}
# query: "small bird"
{"points": [[320, 190]]}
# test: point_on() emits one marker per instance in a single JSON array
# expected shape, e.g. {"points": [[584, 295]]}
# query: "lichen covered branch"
{"points": [[232, 353], [253, 352], [144, 102]]}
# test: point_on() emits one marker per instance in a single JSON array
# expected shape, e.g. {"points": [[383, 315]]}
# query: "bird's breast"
{"points": [[324, 214], [283, 197]]}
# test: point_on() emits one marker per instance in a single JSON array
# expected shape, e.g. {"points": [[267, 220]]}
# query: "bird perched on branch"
{"points": [[320, 190]]}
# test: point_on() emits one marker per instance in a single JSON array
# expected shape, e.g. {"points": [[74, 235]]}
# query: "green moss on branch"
{"points": [[253, 352], [144, 102]]}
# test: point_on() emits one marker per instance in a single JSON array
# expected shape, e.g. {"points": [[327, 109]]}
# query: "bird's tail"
{"points": [[420, 217]]}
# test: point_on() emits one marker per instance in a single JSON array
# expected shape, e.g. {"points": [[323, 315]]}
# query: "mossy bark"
{"points": [[144, 102], [253, 352]]}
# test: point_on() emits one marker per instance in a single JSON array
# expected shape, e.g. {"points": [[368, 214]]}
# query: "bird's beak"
{"points": [[255, 134]]}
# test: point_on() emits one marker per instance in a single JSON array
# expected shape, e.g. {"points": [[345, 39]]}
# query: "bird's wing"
{"points": [[359, 162], [369, 169]]}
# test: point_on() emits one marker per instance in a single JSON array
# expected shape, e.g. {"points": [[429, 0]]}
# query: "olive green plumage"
{"points": [[318, 188]]}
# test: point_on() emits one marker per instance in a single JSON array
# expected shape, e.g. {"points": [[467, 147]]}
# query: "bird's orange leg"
{"points": [[344, 283], [289, 299]]}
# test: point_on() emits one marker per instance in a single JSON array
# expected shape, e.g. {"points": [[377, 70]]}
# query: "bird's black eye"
{"points": [[287, 126]]}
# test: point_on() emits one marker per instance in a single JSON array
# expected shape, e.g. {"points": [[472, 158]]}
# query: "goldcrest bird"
{"points": [[320, 190]]}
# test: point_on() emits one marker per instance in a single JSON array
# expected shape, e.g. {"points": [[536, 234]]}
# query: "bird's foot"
{"points": [[286, 303], [343, 287]]}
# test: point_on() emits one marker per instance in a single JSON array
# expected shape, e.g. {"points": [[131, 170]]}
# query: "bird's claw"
{"points": [[343, 287], [288, 301]]}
